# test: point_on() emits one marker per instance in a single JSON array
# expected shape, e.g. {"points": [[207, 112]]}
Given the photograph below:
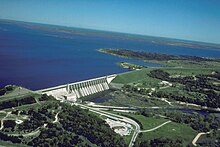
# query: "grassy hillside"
{"points": [[130, 77], [172, 131]]}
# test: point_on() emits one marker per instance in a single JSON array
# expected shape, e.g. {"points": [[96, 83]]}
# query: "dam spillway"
{"points": [[88, 87], [73, 91]]}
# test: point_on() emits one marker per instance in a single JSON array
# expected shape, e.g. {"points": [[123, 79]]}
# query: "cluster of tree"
{"points": [[74, 119], [152, 56], [182, 98], [6, 88], [199, 84], [211, 139], [36, 120], [75, 127], [159, 142], [196, 121], [45, 97], [13, 139], [55, 135], [9, 124], [147, 113], [132, 89], [17, 102], [160, 74], [131, 66], [216, 75], [196, 83]]}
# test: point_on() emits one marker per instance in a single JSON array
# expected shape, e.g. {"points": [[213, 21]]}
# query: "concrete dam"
{"points": [[73, 91]]}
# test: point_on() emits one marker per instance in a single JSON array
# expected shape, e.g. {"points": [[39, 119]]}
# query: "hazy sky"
{"points": [[184, 19]]}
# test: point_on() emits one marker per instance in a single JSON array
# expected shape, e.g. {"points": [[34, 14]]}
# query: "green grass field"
{"points": [[139, 78], [173, 131], [130, 77]]}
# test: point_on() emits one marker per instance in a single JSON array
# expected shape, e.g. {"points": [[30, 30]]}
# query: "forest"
{"points": [[74, 127]]}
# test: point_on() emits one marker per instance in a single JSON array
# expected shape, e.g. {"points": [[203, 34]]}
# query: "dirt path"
{"points": [[37, 101], [33, 133], [2, 121], [165, 100], [149, 130], [56, 118], [197, 137]]}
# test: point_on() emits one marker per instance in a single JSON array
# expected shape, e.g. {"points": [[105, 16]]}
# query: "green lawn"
{"points": [[130, 77], [139, 78], [173, 131]]}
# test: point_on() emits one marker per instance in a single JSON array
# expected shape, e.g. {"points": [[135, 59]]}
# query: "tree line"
{"points": [[152, 56]]}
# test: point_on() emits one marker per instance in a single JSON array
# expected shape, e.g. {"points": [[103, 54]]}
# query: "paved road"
{"points": [[117, 117], [124, 108], [98, 109]]}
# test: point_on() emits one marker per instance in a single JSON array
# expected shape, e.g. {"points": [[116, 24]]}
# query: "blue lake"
{"points": [[39, 59]]}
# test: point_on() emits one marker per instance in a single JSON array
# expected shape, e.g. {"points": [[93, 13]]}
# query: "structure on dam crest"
{"points": [[73, 91]]}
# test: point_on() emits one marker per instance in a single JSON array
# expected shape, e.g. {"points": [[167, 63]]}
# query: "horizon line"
{"points": [[85, 28]]}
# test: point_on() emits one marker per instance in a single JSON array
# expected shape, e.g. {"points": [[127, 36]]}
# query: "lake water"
{"points": [[39, 59]]}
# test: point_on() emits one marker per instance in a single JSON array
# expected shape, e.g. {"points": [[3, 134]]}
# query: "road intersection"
{"points": [[137, 129]]}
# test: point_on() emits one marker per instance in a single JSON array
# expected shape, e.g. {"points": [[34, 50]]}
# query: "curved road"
{"points": [[121, 118], [117, 117]]}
